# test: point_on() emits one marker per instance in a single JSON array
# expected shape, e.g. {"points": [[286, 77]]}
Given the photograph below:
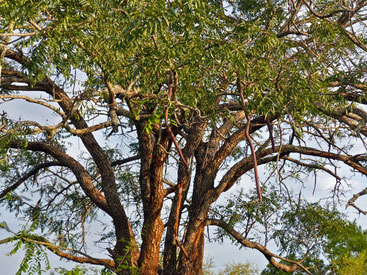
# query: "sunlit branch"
{"points": [[112, 107], [269, 255], [32, 100], [58, 250], [354, 121], [54, 128], [17, 34]]}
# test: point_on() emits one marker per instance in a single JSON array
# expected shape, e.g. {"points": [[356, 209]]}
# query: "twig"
{"points": [[270, 128]]}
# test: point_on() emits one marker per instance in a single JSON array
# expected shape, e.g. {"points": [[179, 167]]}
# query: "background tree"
{"points": [[331, 243], [230, 268], [173, 103]]}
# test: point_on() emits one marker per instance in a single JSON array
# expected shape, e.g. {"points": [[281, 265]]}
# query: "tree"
{"points": [[239, 268], [333, 244], [174, 102], [230, 268]]}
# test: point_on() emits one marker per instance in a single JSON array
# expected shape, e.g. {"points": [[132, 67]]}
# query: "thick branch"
{"points": [[244, 165], [81, 174], [269, 255], [232, 141]]}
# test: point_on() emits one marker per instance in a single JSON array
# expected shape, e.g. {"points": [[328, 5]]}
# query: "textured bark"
{"points": [[209, 156], [150, 249], [195, 135], [195, 249], [154, 148], [194, 237]]}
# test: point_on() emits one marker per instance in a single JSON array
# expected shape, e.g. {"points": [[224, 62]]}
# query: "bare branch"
{"points": [[32, 100], [126, 160], [28, 175], [354, 198], [313, 166], [17, 34]]}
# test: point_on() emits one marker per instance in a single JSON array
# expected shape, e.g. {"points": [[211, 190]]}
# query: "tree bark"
{"points": [[195, 135], [154, 148]]}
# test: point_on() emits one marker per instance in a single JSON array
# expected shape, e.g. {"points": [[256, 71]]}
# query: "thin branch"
{"points": [[28, 175], [270, 128], [32, 100], [354, 198], [126, 160], [56, 249], [264, 156], [313, 166], [35, 25]]}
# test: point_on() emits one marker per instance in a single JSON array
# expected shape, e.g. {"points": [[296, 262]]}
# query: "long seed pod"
{"points": [[247, 135]]}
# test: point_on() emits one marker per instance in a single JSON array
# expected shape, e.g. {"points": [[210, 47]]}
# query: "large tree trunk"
{"points": [[191, 257], [191, 261], [194, 138], [154, 148], [149, 255]]}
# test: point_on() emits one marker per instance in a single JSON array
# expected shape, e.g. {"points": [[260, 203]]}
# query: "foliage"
{"points": [[239, 268], [34, 256], [330, 236], [231, 268], [351, 264], [150, 111], [81, 270]]}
